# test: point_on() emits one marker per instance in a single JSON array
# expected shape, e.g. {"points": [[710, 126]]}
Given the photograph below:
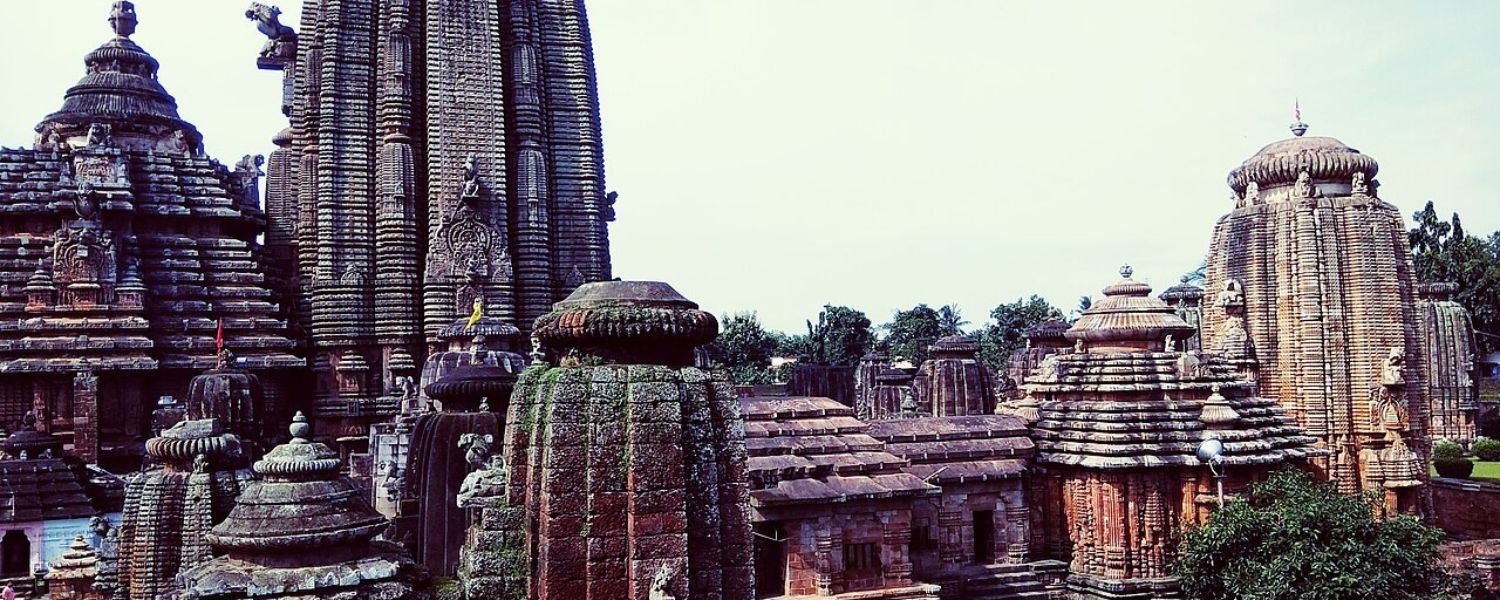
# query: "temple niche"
{"points": [[477, 121], [1317, 304], [1119, 419], [129, 252], [1450, 347]]}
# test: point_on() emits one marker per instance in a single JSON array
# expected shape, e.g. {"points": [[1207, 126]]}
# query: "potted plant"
{"points": [[1448, 458]]}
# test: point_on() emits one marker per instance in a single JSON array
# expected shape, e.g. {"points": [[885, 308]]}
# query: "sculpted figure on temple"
{"points": [[248, 172], [488, 482], [476, 448], [281, 42], [1252, 194], [1358, 186], [101, 134], [471, 177], [84, 204], [1391, 374], [1303, 187], [1232, 296], [660, 584], [609, 205]]}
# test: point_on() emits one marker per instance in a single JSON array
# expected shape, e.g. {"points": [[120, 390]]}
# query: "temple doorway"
{"points": [[770, 560], [15, 554], [984, 537]]}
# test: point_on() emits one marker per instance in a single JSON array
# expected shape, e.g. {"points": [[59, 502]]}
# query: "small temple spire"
{"points": [[1126, 271], [122, 18], [1298, 127]]}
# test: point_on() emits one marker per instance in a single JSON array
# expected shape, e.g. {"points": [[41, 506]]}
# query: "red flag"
{"points": [[219, 338]]}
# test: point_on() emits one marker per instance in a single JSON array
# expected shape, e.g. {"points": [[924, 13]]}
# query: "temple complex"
{"points": [[126, 252], [1448, 341], [1316, 303], [491, 416], [442, 154], [1120, 419]]}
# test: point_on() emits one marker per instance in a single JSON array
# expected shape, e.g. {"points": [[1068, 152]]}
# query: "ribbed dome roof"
{"points": [[1128, 313], [301, 507], [1181, 291], [1051, 329], [120, 86], [1325, 159]]}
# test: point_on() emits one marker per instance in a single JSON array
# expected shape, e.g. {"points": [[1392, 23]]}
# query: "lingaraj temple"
{"points": [[405, 370]]}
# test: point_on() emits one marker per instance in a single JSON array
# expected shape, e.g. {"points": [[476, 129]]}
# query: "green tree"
{"points": [[1442, 251], [743, 349], [911, 332], [1084, 303], [1006, 331], [951, 320], [1199, 275], [1293, 538], [840, 337]]}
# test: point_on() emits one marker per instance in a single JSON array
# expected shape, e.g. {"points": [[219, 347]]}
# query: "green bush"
{"points": [[1292, 538], [1445, 449], [1460, 468], [1486, 449]]}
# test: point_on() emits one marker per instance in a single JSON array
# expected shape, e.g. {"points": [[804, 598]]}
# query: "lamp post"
{"points": [[1211, 452]]}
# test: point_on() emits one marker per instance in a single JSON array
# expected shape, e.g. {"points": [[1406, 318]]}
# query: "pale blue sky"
{"points": [[777, 155]]}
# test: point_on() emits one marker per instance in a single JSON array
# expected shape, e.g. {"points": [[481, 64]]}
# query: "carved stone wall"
{"points": [[1312, 287], [443, 152]]}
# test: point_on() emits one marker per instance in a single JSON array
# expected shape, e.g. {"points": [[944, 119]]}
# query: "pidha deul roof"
{"points": [[1128, 400], [121, 245]]}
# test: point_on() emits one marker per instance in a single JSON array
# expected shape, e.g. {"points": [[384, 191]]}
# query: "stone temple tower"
{"points": [[1310, 292], [442, 155]]}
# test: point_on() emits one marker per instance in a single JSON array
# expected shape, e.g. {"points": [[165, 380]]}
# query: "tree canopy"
{"points": [[911, 332], [743, 349], [1294, 538], [840, 337], [951, 320], [1006, 331]]}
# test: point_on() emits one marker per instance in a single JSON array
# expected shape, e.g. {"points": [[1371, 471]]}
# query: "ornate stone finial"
{"points": [[299, 429], [1126, 271], [1298, 128], [122, 18], [1217, 413]]}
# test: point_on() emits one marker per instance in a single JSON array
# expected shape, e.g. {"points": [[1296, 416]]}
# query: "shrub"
{"points": [[1458, 468], [1486, 449], [1292, 538], [1446, 449]]}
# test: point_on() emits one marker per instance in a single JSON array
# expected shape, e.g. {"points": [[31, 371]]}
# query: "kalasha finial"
{"points": [[1298, 128], [122, 18], [300, 429], [1126, 271]]}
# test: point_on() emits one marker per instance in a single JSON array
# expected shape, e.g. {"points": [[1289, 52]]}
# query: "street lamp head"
{"points": [[1211, 451]]}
